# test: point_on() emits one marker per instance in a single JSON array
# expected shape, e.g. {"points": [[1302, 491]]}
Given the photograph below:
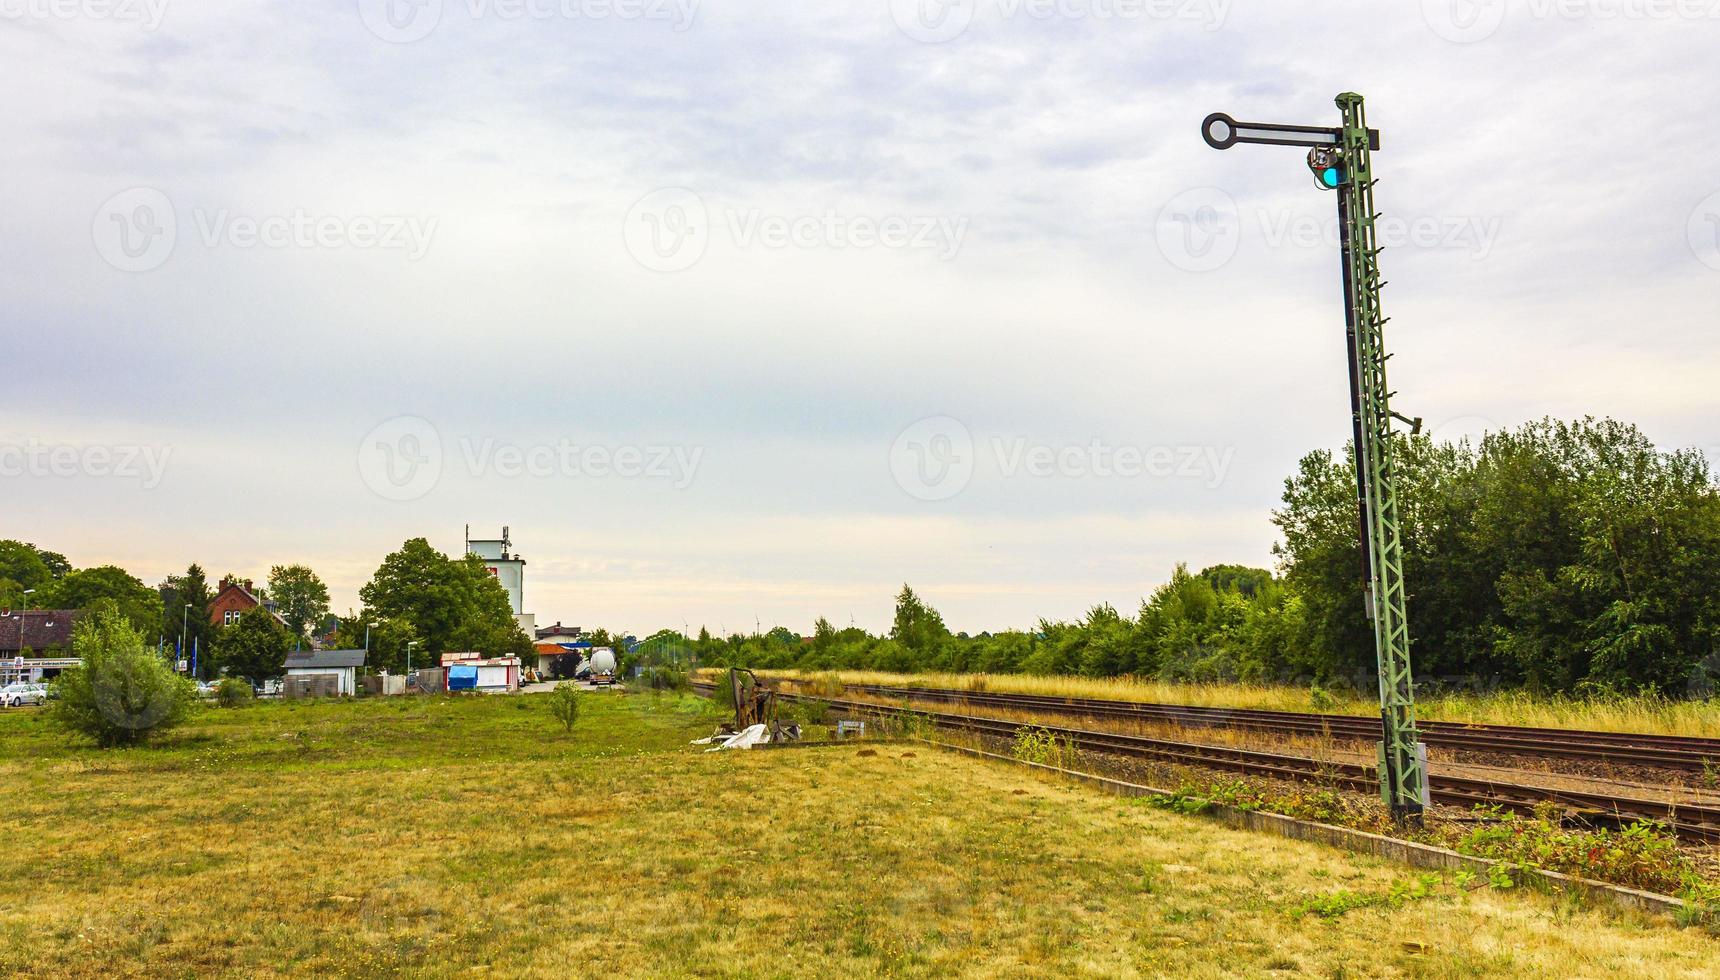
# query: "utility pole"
{"points": [[1341, 160], [23, 611]]}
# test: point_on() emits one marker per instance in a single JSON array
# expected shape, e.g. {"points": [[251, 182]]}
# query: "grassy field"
{"points": [[1620, 714], [433, 837]]}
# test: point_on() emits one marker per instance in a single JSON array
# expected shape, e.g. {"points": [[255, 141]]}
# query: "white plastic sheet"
{"points": [[746, 738]]}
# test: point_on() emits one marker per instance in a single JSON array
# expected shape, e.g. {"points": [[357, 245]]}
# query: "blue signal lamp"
{"points": [[1327, 165]]}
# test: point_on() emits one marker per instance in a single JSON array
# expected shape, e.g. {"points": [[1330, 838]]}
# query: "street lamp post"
{"points": [[25, 611], [367, 627], [409, 645], [184, 620]]}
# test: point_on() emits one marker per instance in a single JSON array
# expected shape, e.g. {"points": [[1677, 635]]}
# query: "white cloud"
{"points": [[1057, 143]]}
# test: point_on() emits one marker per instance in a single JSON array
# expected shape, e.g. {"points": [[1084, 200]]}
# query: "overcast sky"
{"points": [[738, 311]]}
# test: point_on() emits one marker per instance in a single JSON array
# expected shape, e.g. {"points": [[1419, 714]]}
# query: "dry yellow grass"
{"points": [[444, 837], [1695, 718]]}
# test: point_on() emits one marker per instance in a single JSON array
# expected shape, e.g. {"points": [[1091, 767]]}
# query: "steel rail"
{"points": [[1689, 821], [1657, 751]]}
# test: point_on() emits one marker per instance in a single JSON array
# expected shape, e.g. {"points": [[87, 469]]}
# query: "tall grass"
{"points": [[1610, 713]]}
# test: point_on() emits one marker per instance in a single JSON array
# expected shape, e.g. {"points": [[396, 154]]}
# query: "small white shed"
{"points": [[341, 664]]}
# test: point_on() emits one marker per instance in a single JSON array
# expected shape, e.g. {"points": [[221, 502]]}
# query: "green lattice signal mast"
{"points": [[1341, 159]]}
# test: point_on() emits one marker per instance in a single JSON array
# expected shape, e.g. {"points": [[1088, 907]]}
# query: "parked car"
{"points": [[18, 695]]}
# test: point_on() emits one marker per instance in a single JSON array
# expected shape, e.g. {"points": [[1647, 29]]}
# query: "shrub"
{"points": [[724, 695], [660, 679], [564, 705], [1641, 855], [905, 723], [812, 712], [122, 692], [1044, 747], [233, 692]]}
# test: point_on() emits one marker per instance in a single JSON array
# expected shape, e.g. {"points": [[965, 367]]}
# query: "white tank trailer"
{"points": [[602, 666]]}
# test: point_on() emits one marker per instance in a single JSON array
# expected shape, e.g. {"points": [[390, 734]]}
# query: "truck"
{"points": [[602, 665]]}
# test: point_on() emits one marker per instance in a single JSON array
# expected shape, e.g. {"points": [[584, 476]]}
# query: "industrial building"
{"points": [[509, 569]]}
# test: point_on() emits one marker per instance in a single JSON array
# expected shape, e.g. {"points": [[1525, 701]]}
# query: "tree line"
{"points": [[1565, 557], [418, 597], [1569, 557]]}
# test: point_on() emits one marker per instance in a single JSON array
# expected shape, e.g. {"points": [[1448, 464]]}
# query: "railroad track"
{"points": [[1690, 821], [1655, 751]]}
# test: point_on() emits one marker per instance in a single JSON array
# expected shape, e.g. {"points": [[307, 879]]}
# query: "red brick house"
{"points": [[233, 599]]}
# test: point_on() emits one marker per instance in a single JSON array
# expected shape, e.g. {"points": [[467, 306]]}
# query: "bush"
{"points": [[810, 712], [1042, 746], [122, 692], [1641, 855], [564, 705], [724, 695], [233, 692], [660, 679]]}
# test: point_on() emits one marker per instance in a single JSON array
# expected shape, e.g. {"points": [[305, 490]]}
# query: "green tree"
{"points": [[180, 591], [121, 692], [299, 594], [388, 640], [1238, 578], [254, 648], [84, 588], [57, 564], [21, 567], [454, 604], [918, 629], [1564, 555], [1109, 647]]}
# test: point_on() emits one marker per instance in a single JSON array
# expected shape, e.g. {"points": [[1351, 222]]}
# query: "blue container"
{"points": [[462, 677]]}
